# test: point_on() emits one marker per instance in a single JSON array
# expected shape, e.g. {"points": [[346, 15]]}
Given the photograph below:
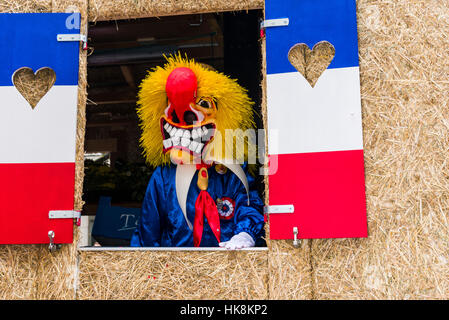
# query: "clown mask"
{"points": [[188, 124], [185, 109]]}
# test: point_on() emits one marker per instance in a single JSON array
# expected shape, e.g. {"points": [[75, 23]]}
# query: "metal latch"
{"points": [[65, 214], [73, 37], [51, 236], [287, 208], [52, 247], [296, 241]]}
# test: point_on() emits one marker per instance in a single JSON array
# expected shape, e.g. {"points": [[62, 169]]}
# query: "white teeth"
{"points": [[179, 133], [176, 141], [185, 142], [185, 138], [199, 132], [167, 143], [193, 145], [199, 148]]}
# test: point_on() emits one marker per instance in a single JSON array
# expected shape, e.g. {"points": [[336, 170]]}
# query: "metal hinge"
{"points": [[287, 208], [282, 22], [73, 37], [65, 214]]}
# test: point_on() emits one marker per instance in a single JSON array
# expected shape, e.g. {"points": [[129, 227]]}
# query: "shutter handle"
{"points": [[52, 245], [296, 241]]}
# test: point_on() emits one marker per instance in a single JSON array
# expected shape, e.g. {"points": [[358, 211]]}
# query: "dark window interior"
{"points": [[121, 53]]}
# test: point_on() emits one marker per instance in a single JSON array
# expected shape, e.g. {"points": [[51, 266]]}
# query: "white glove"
{"points": [[239, 241]]}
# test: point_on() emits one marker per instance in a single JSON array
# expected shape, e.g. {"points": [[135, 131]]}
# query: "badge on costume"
{"points": [[225, 207]]}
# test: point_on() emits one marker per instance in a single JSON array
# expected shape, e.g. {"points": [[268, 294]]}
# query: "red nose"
{"points": [[181, 89]]}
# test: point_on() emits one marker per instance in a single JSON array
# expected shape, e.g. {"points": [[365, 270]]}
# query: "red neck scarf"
{"points": [[205, 206]]}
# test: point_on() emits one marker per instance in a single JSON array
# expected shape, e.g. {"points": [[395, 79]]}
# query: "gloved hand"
{"points": [[239, 241]]}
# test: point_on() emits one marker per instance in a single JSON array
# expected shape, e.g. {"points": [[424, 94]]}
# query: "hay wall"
{"points": [[173, 275], [404, 47], [128, 9]]}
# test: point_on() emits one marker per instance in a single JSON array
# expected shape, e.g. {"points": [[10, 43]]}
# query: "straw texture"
{"points": [[173, 275], [126, 9], [404, 47], [33, 86], [311, 63]]}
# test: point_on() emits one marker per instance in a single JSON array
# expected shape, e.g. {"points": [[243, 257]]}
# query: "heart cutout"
{"points": [[311, 63], [33, 86]]}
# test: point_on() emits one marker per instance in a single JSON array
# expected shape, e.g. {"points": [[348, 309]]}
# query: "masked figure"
{"points": [[194, 123]]}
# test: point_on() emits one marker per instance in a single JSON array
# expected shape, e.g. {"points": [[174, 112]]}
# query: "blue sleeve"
{"points": [[148, 231], [248, 218]]}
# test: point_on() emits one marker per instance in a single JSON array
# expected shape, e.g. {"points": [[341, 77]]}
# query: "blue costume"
{"points": [[162, 223]]}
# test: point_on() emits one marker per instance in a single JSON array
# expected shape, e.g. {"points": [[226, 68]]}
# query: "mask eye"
{"points": [[204, 104]]}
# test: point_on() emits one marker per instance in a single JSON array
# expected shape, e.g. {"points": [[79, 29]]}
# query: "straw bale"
{"points": [[404, 47], [32, 272], [173, 275], [58, 271], [18, 271], [12, 6], [406, 254], [290, 271], [126, 9]]}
